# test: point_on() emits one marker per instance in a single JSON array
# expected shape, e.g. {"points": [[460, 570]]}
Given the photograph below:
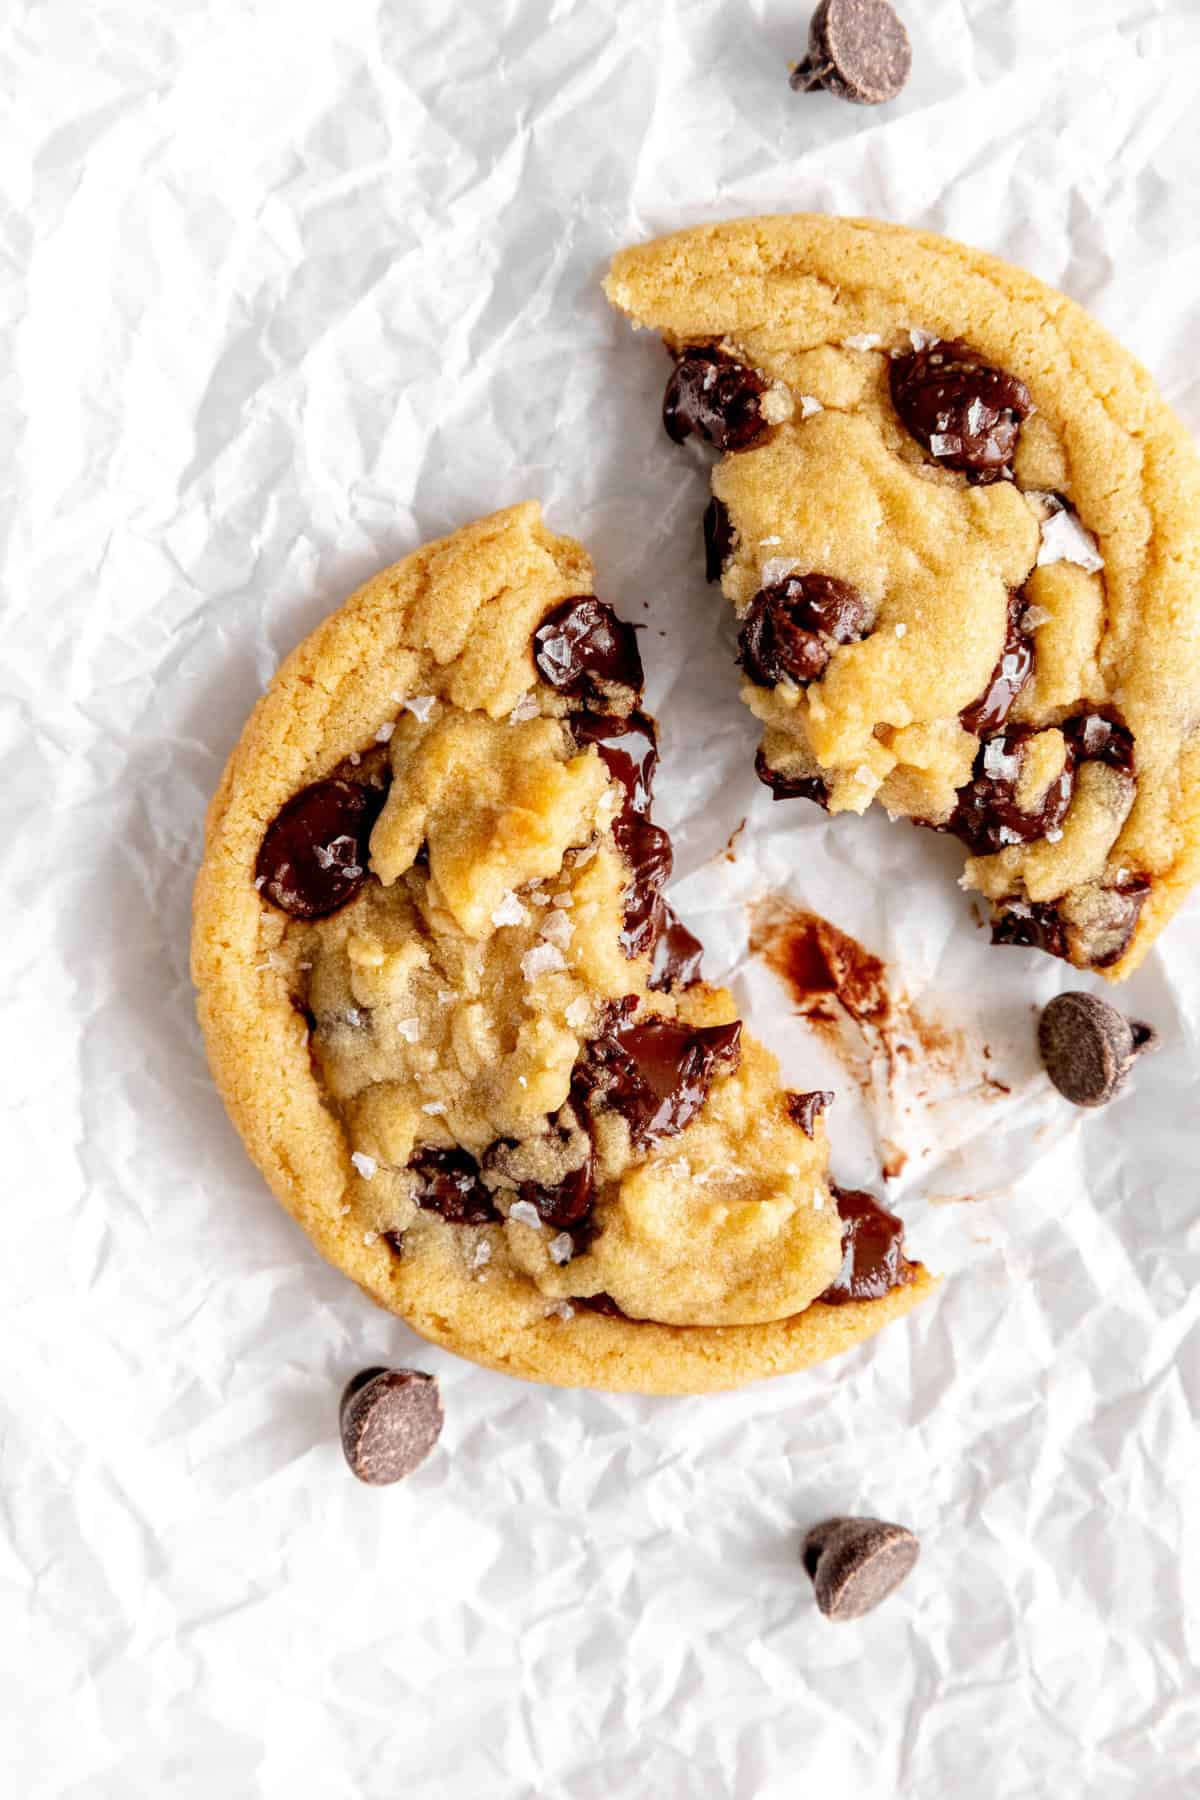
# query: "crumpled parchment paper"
{"points": [[286, 290]]}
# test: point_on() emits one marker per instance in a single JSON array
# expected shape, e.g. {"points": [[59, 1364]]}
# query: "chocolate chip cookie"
{"points": [[458, 1025], [961, 532]]}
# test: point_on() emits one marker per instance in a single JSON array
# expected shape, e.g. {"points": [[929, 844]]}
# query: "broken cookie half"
{"points": [[961, 533], [460, 1029]]}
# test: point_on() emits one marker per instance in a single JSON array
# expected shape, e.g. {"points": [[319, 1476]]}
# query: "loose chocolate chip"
{"points": [[585, 651], [966, 413], [987, 817], [390, 1421], [677, 954], [873, 1259], [1088, 1047], [856, 1563], [791, 787], [655, 1072], [313, 857], [628, 747], [858, 50], [449, 1183], [791, 627], [718, 539], [987, 714], [713, 396], [805, 1109]]}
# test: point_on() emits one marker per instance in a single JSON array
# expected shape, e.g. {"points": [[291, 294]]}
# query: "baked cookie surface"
{"points": [[460, 1031], [961, 531]]}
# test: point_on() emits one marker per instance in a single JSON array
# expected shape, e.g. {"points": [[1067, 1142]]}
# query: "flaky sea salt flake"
{"points": [[921, 340], [383, 735], [543, 959], [578, 1013], [409, 1029], [526, 708], [526, 1213], [510, 911], [420, 706], [809, 405], [862, 340], [366, 1165], [557, 929], [775, 569], [561, 1248], [434, 1108], [562, 1309], [1064, 539]]}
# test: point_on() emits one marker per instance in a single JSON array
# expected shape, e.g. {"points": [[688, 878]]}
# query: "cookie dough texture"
{"points": [[447, 1005], [818, 304]]}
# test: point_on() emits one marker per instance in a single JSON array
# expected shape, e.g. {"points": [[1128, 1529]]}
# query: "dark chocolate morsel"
{"points": [[601, 1303], [1039, 925], [987, 714], [390, 1421], [647, 850], [677, 954], [718, 538], [804, 1109], [585, 651], [1088, 1047], [713, 396], [873, 1259], [987, 817], [655, 1072], [1095, 738], [313, 857], [790, 787], [854, 1564], [858, 50], [628, 747], [791, 628], [449, 1183], [960, 409], [1032, 925]]}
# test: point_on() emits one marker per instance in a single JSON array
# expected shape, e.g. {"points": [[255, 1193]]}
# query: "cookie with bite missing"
{"points": [[462, 1033], [961, 532]]}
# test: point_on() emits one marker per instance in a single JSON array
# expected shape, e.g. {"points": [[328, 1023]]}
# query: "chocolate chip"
{"points": [[987, 817], [987, 714], [1039, 925], [791, 628], [629, 748], [858, 50], [713, 396], [601, 1303], [677, 954], [647, 850], [585, 651], [718, 539], [856, 1563], [966, 413], [390, 1421], [449, 1183], [804, 1109], [790, 787], [1095, 738], [1088, 1047], [313, 857], [873, 1259], [655, 1072]]}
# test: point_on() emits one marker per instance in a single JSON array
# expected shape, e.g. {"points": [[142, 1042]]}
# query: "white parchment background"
{"points": [[286, 288]]}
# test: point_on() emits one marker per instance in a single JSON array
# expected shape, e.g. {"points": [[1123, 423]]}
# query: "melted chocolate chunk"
{"points": [[647, 850], [791, 628], [804, 1109], [585, 651], [1095, 738], [987, 817], [629, 748], [858, 50], [313, 858], [790, 787], [655, 1072], [675, 961], [449, 1183], [873, 1259], [718, 539], [1039, 925], [713, 396], [987, 714], [602, 1303], [966, 413]]}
